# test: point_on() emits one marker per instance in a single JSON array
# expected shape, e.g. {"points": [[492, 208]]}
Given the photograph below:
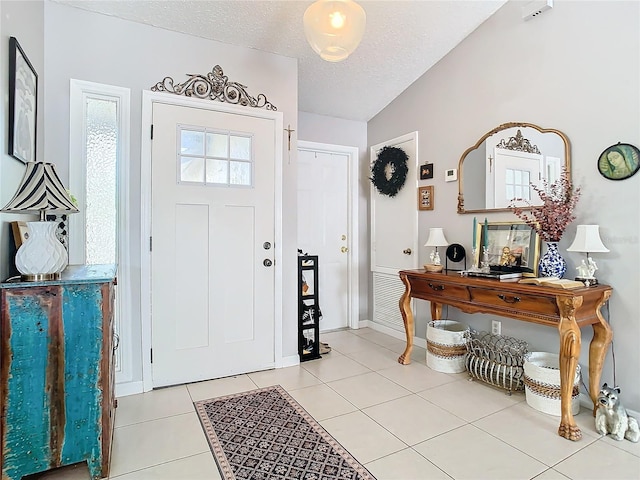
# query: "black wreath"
{"points": [[397, 161]]}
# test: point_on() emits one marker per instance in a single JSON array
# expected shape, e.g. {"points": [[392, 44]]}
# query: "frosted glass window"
{"points": [[101, 170], [217, 171], [240, 173], [211, 157], [192, 169], [217, 145], [191, 143], [240, 147]]}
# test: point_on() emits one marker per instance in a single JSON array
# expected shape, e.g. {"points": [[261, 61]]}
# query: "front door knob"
{"points": [[267, 262], [344, 249]]}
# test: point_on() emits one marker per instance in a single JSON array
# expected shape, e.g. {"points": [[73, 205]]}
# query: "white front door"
{"points": [[212, 224], [324, 226]]}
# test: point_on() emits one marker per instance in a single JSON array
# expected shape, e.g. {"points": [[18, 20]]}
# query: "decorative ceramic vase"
{"points": [[551, 263], [42, 253]]}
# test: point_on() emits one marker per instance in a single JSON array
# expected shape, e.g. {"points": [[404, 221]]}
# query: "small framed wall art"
{"points": [[425, 197], [426, 171], [619, 161], [23, 96]]}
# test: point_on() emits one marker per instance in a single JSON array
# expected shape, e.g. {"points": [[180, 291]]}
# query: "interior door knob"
{"points": [[407, 251], [344, 249]]}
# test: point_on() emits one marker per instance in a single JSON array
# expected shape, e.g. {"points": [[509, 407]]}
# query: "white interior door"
{"points": [[212, 224], [394, 220], [394, 236], [323, 227]]}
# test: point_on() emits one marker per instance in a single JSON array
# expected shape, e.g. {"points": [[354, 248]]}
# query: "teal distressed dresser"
{"points": [[56, 372]]}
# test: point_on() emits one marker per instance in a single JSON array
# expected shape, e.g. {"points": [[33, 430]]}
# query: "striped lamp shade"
{"points": [[40, 191]]}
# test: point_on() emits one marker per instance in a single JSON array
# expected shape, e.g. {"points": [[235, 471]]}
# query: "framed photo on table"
{"points": [[425, 198], [513, 246], [23, 102]]}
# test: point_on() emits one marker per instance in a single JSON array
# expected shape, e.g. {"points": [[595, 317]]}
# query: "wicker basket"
{"points": [[446, 345], [496, 359], [542, 383]]}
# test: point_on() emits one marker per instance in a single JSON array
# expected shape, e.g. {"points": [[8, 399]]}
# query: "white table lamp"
{"points": [[41, 256], [588, 241], [436, 239]]}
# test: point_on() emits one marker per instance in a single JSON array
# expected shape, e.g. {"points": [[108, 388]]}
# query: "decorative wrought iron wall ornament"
{"points": [[518, 143], [214, 86]]}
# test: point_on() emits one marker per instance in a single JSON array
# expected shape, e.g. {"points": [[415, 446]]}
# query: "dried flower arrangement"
{"points": [[555, 214]]}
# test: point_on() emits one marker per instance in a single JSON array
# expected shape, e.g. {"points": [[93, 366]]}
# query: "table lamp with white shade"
{"points": [[436, 239], [588, 241], [41, 256]]}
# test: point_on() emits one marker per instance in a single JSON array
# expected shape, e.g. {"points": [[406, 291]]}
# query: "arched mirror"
{"points": [[504, 163]]}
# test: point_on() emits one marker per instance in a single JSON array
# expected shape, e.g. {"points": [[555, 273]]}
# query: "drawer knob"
{"points": [[508, 299], [437, 288]]}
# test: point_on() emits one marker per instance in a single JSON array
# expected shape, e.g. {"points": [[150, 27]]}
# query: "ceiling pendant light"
{"points": [[334, 28]]}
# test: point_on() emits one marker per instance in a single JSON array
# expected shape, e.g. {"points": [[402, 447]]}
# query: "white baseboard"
{"points": [[128, 388], [419, 342], [290, 361]]}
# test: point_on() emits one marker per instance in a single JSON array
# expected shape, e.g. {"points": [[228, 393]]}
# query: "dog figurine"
{"points": [[611, 416]]}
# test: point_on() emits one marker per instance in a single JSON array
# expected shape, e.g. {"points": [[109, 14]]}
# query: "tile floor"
{"points": [[402, 422]]}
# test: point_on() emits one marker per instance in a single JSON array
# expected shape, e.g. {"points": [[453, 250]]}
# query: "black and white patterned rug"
{"points": [[265, 434]]}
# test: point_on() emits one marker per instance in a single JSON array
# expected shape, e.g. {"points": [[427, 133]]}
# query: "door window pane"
{"points": [[240, 147], [191, 143], [192, 169], [217, 171], [217, 145], [240, 173]]}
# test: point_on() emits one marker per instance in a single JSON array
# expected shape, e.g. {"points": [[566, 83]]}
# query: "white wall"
{"points": [[23, 20], [89, 46], [337, 131], [575, 68]]}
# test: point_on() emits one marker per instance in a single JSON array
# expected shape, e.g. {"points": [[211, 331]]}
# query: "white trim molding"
{"points": [[80, 91]]}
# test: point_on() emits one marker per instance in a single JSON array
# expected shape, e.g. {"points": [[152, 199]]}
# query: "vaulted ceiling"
{"points": [[403, 39]]}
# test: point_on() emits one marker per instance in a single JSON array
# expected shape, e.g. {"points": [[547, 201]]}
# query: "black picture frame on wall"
{"points": [[23, 104]]}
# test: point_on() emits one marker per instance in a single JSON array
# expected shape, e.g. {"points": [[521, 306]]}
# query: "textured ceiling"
{"points": [[403, 39]]}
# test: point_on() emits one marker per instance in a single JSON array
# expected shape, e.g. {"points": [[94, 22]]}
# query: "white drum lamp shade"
{"points": [[334, 28], [41, 256]]}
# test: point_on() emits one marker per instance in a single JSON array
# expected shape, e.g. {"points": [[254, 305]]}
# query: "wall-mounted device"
{"points": [[451, 175], [536, 7]]}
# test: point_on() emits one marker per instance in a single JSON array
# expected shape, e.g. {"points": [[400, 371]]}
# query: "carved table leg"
{"points": [[407, 318], [602, 336], [569, 353], [436, 310]]}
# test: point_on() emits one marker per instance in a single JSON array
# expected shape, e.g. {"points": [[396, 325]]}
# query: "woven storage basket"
{"points": [[542, 383], [446, 345]]}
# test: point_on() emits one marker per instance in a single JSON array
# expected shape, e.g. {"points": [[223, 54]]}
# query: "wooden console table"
{"points": [[567, 310]]}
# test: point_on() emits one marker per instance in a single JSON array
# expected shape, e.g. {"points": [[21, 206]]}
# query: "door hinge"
{"points": [[151, 354], [151, 131], [151, 244]]}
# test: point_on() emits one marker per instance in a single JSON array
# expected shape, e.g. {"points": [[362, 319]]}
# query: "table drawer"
{"points": [[443, 290], [521, 302]]}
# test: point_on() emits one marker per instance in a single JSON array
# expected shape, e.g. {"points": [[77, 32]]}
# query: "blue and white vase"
{"points": [[551, 263]]}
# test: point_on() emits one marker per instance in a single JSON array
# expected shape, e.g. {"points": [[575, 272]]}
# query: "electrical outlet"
{"points": [[496, 327]]}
